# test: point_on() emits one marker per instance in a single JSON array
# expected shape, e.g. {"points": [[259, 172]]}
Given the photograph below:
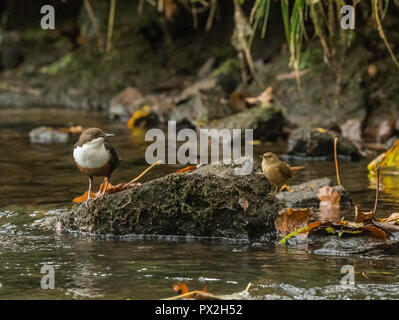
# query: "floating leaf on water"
{"points": [[292, 219]]}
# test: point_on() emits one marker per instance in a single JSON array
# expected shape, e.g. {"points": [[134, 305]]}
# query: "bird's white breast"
{"points": [[92, 154]]}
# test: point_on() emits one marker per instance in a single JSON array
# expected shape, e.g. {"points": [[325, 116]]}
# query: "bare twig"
{"points": [[381, 31], [336, 160], [144, 172], [110, 26], [377, 190], [93, 20], [211, 15]]}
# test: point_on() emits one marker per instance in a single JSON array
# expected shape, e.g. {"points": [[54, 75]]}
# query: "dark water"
{"points": [[38, 181]]}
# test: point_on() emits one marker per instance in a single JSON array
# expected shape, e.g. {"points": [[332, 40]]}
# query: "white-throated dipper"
{"points": [[94, 156]]}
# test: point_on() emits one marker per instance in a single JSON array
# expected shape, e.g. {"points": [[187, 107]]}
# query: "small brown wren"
{"points": [[276, 171]]}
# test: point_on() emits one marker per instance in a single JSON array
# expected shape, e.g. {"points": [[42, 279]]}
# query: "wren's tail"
{"points": [[295, 169]]}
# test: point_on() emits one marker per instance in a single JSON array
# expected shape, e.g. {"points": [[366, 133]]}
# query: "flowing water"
{"points": [[38, 181]]}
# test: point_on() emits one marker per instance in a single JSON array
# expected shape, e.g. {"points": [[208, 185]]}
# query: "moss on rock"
{"points": [[208, 202]]}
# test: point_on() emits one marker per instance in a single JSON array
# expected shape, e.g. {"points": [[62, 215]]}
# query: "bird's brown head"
{"points": [[92, 134], [270, 158]]}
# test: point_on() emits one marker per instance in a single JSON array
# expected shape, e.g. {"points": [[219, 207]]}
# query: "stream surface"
{"points": [[38, 181]]}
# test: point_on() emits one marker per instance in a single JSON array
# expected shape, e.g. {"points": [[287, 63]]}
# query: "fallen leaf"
{"points": [[73, 129], [84, 196], [180, 288], [139, 114], [388, 159], [394, 217], [263, 99], [375, 232], [304, 230], [183, 292], [243, 203], [361, 216], [329, 204], [292, 219]]}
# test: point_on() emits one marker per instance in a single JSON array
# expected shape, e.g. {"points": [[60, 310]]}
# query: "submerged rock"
{"points": [[47, 135], [211, 201], [319, 143], [305, 195]]}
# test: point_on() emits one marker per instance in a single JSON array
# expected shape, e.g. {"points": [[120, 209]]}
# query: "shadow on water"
{"points": [[36, 179]]}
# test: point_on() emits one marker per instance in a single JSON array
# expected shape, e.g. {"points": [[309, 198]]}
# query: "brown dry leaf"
{"points": [[375, 232], [84, 196], [292, 219], [243, 203], [73, 129], [180, 288], [361, 216], [394, 217], [196, 295], [263, 99], [329, 203], [187, 169]]}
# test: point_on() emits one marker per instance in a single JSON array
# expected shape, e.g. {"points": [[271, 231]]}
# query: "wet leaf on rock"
{"points": [[292, 219], [361, 216]]}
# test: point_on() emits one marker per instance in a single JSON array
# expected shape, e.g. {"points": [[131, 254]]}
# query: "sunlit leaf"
{"points": [[139, 114]]}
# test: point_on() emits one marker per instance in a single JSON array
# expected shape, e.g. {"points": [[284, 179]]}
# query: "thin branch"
{"points": [[93, 20], [110, 26], [336, 161], [377, 190]]}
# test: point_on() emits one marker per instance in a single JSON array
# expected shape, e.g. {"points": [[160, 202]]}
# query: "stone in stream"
{"points": [[319, 143], [47, 135], [211, 201], [266, 122], [305, 195]]}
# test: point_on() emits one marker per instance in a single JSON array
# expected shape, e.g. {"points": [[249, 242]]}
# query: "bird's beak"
{"points": [[109, 135], [261, 157]]}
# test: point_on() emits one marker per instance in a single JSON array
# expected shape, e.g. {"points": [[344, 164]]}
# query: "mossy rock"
{"points": [[208, 202]]}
